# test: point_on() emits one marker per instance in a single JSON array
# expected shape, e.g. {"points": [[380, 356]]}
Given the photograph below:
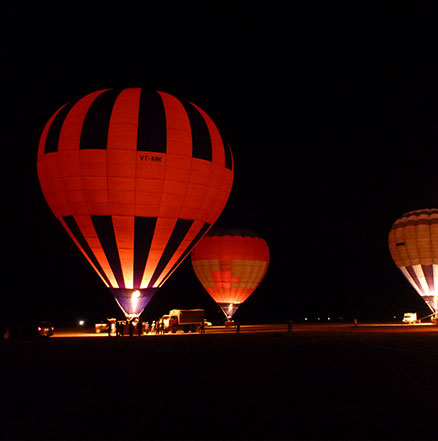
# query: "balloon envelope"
{"points": [[230, 264], [136, 178], [413, 243]]}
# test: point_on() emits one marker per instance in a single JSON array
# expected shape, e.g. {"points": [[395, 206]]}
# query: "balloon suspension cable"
{"points": [[433, 316]]}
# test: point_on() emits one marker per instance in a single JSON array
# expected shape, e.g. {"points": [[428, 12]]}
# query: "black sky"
{"points": [[331, 112]]}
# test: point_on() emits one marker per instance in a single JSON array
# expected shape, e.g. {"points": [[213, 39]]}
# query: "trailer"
{"points": [[186, 320]]}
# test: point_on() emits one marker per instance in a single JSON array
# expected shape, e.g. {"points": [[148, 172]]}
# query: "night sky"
{"points": [[331, 112]]}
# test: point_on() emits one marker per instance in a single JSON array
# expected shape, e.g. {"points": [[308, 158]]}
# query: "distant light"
{"points": [[305, 318], [319, 318], [81, 322], [395, 316], [328, 318]]}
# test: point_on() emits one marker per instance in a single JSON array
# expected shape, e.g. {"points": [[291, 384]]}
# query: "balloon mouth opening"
{"points": [[133, 301], [229, 308]]}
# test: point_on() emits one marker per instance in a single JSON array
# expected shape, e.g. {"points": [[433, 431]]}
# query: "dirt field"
{"points": [[331, 384]]}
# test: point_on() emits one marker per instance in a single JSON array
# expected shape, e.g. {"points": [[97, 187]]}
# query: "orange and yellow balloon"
{"points": [[413, 243], [230, 264]]}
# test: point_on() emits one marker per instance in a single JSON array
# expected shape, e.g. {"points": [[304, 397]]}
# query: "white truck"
{"points": [[410, 317], [183, 320]]}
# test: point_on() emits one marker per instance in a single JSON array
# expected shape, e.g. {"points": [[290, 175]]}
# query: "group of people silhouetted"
{"points": [[120, 328]]}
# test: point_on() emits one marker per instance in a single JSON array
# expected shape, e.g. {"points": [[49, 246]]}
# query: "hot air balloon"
{"points": [[413, 243], [136, 178], [230, 264]]}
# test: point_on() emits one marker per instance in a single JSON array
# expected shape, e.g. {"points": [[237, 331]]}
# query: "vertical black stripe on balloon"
{"points": [[52, 139], [105, 232], [94, 134], [144, 228], [179, 232], [228, 154], [198, 237], [77, 234], [201, 141], [152, 130]]}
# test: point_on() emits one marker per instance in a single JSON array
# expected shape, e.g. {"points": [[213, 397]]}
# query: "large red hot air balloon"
{"points": [[413, 243], [230, 264], [136, 178]]}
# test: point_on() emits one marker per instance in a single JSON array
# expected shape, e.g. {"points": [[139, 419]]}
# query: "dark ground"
{"points": [[346, 384]]}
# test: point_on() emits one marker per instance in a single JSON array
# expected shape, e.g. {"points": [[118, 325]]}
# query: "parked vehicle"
{"points": [[28, 330], [187, 320], [45, 329], [410, 317], [101, 327]]}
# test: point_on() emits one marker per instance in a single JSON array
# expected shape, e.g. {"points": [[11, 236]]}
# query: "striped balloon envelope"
{"points": [[230, 264], [413, 243], [136, 178]]}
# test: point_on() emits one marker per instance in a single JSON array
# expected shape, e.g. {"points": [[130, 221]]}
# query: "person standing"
{"points": [[119, 329]]}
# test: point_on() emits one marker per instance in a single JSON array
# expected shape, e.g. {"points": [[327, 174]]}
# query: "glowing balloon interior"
{"points": [[136, 178], [413, 243], [230, 264]]}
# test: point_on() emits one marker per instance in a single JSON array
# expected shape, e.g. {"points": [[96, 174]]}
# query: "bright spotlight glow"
{"points": [[81, 322], [134, 300], [230, 307]]}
